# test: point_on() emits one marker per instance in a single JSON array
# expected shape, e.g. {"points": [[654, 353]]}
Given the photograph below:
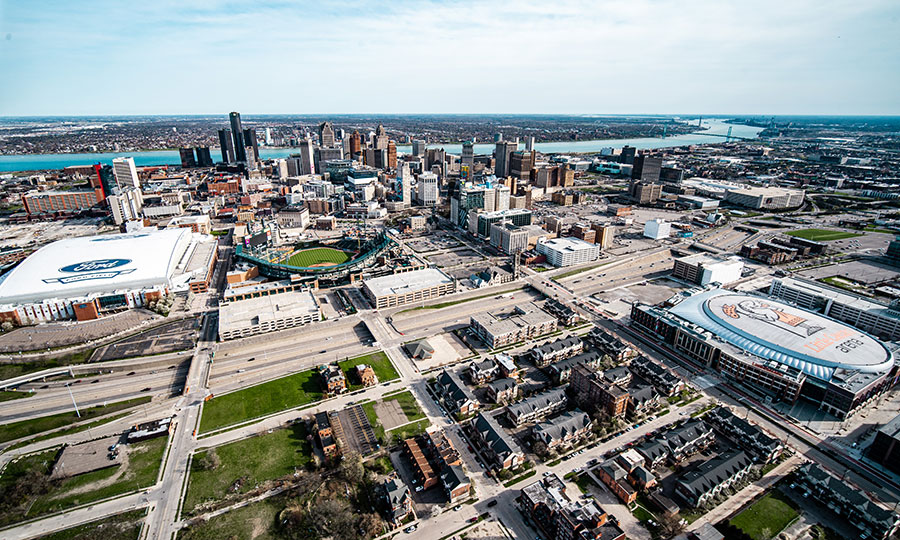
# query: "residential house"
{"points": [[556, 350], [499, 447], [849, 503], [454, 394], [591, 390], [619, 375], [366, 375], [419, 350], [563, 430], [617, 350], [703, 483], [641, 401], [560, 371], [508, 368], [687, 439], [762, 447], [616, 478], [537, 406], [424, 474], [546, 503], [502, 390], [455, 482], [325, 433], [482, 372], [333, 380], [665, 382], [397, 499]]}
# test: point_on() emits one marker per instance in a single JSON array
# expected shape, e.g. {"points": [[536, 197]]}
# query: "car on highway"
{"points": [[145, 389], [95, 381]]}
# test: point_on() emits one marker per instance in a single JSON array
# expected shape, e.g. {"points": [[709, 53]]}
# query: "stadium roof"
{"points": [[83, 266], [770, 329]]}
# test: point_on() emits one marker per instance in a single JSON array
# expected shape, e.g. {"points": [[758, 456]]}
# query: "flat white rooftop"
{"points": [[256, 311], [567, 243], [407, 282]]}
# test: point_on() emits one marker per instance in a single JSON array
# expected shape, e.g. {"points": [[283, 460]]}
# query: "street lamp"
{"points": [[69, 388]]}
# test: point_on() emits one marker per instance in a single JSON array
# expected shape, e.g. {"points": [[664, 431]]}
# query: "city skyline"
{"points": [[408, 58]]}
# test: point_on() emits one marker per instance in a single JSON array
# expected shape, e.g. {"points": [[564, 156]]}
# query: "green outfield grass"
{"points": [[273, 396], [821, 235], [319, 255], [773, 512]]}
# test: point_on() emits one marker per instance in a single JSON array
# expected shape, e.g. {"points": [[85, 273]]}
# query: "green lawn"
{"points": [[143, 467], [577, 271], [380, 363], [457, 302], [68, 431], [6, 395], [319, 255], [24, 428], [254, 460], [410, 430], [255, 521], [822, 235], [773, 512], [125, 526], [278, 395], [369, 408]]}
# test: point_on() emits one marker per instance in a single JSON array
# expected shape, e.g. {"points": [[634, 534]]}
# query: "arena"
{"points": [[86, 277], [782, 351]]}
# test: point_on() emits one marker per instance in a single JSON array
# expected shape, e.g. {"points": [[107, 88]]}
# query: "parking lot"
{"points": [[864, 271], [62, 333], [357, 432], [454, 258], [177, 336]]}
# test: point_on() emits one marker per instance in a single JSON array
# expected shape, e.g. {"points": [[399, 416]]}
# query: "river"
{"points": [[36, 162]]}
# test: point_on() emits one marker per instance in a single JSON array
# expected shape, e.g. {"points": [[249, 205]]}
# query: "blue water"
{"points": [[35, 162]]}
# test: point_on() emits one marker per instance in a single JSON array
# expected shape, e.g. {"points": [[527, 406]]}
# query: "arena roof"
{"points": [[770, 329], [77, 267]]}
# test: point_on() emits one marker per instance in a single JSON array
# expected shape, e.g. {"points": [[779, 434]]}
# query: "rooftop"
{"points": [[407, 282], [254, 311]]}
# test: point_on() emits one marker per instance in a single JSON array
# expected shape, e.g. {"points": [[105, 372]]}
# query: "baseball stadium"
{"points": [[778, 350], [330, 261]]}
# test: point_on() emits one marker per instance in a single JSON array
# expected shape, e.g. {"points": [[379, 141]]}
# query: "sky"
{"points": [[766, 57]]}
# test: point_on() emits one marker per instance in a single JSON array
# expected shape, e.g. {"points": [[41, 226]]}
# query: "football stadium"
{"points": [[781, 351], [85, 278]]}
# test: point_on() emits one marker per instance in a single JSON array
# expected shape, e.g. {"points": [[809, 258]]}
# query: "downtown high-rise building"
{"points": [[326, 134], [307, 163], [418, 147], [125, 173], [467, 162], [226, 143], [251, 142], [427, 189], [237, 134], [381, 138], [355, 143], [502, 152]]}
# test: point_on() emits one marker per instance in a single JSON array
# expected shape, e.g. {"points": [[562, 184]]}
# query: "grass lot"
{"points": [[373, 420], [410, 430], [254, 460], [319, 255], [409, 404], [523, 476], [278, 395], [68, 431], [380, 363], [577, 271], [773, 512], [410, 408], [143, 467], [6, 395], [24, 428], [125, 526], [846, 284], [821, 235], [464, 300], [253, 522]]}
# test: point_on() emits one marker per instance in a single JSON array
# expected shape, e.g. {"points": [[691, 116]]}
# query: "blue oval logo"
{"points": [[94, 266]]}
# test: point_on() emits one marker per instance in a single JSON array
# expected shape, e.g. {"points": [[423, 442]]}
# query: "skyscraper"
{"points": [[125, 173], [418, 147], [646, 168], [404, 178], [326, 134], [250, 141], [237, 134], [355, 144], [381, 138], [391, 155], [427, 189], [203, 157], [627, 155], [529, 144], [187, 158], [226, 143], [501, 155], [307, 157], [468, 156]]}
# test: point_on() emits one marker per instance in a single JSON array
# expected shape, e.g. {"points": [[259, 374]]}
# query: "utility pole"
{"points": [[69, 388]]}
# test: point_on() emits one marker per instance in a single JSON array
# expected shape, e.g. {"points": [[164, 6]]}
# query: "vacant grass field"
{"points": [[409, 405], [766, 517], [253, 460], [255, 521], [380, 363], [319, 255], [125, 526], [278, 395], [145, 459], [409, 430], [68, 431], [24, 428], [821, 235]]}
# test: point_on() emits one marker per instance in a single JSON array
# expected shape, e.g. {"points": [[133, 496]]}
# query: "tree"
{"points": [[209, 460], [765, 533], [540, 448], [670, 526], [351, 469], [6, 326]]}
